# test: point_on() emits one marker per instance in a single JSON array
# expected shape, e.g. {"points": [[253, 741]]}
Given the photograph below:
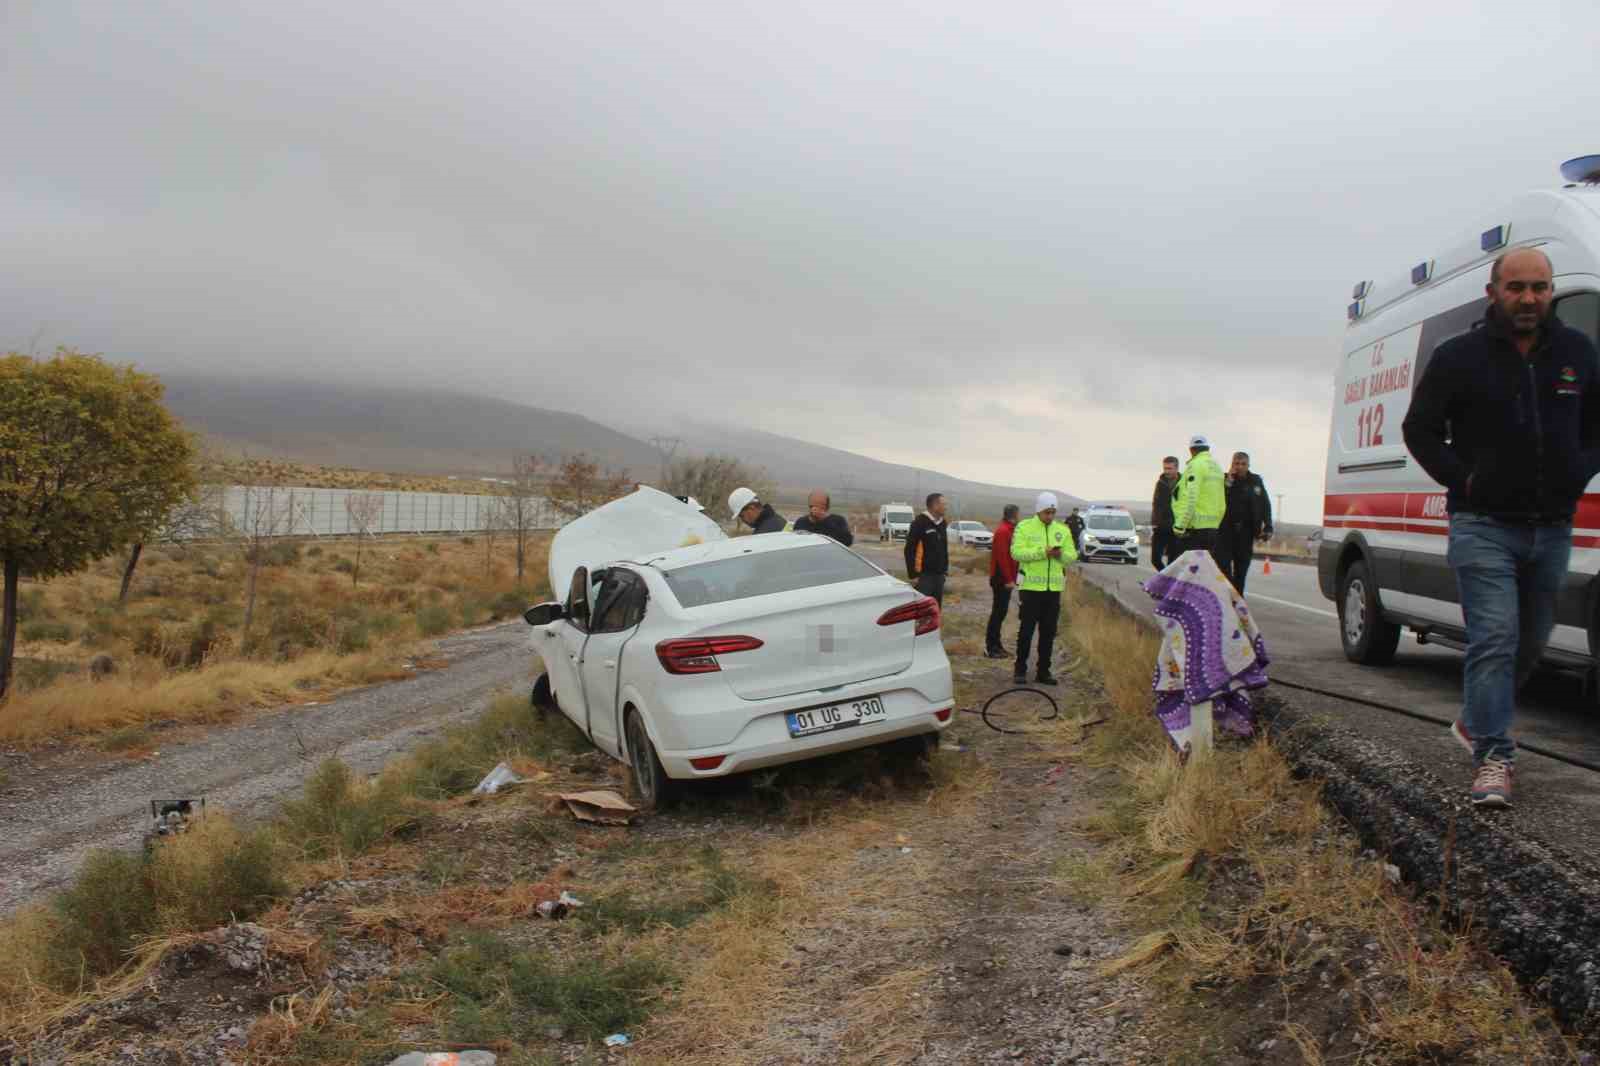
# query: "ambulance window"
{"points": [[1581, 311]]}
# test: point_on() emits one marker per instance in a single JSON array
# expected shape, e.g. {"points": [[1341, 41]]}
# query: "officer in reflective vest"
{"points": [[1199, 500]]}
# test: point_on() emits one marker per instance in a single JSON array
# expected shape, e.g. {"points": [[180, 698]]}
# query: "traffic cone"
{"points": [[1266, 566]]}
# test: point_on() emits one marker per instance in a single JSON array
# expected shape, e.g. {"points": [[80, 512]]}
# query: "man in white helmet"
{"points": [[747, 507]]}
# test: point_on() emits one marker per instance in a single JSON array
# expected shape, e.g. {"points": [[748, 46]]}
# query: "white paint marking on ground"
{"points": [[1252, 598]]}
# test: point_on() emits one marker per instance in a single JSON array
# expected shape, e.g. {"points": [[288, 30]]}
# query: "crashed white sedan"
{"points": [[688, 655]]}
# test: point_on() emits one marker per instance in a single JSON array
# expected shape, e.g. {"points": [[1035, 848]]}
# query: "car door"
{"points": [[563, 646], [619, 608]]}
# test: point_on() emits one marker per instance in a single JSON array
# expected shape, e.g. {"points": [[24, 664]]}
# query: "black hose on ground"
{"points": [[1055, 708]]}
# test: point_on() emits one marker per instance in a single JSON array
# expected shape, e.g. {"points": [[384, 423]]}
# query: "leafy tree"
{"points": [[90, 459]]}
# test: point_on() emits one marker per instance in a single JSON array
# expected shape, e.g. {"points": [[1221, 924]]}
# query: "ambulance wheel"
{"points": [[1367, 637]]}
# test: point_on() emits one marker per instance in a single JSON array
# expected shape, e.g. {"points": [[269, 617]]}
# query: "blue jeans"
{"points": [[1508, 576]]}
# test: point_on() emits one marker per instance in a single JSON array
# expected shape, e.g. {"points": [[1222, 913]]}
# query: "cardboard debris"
{"points": [[603, 806]]}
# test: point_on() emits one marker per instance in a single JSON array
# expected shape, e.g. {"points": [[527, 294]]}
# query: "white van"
{"points": [[894, 521], [1109, 533], [1382, 557]]}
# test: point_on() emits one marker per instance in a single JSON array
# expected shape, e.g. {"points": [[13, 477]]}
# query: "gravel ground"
{"points": [[57, 805]]}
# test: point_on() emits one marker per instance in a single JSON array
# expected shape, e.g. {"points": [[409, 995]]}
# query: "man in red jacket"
{"points": [[1002, 579]]}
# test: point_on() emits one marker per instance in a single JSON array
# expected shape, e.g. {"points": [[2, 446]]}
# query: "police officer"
{"points": [[1198, 500], [1248, 518], [1042, 548]]}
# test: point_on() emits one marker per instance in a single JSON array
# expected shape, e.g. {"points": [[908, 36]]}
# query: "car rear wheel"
{"points": [[1367, 637], [540, 697], [651, 785]]}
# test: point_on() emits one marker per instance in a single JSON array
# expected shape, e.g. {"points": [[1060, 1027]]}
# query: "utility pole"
{"points": [[667, 447]]}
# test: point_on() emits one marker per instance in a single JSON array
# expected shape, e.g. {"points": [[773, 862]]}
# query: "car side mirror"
{"points": [[544, 613]]}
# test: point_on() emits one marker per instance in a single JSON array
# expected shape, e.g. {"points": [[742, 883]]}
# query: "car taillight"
{"points": [[698, 655], [924, 609]]}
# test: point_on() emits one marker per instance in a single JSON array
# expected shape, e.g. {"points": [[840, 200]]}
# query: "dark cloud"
{"points": [[812, 216]]}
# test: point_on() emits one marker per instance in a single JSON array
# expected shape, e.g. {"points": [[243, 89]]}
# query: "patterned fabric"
{"points": [[1211, 650]]}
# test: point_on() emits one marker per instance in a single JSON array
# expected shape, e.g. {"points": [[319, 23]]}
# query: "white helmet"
{"points": [[740, 498]]}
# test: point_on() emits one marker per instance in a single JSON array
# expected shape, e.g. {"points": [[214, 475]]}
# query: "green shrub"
{"points": [[354, 637], [432, 547], [383, 623], [107, 908], [282, 553], [339, 815], [433, 620], [501, 991], [31, 605], [44, 629], [344, 566], [512, 603], [313, 551]]}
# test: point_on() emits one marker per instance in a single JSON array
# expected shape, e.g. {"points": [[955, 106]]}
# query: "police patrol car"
{"points": [[1382, 555], [1109, 533]]}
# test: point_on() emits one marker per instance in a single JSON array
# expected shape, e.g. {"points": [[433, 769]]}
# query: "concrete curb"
{"points": [[1533, 906]]}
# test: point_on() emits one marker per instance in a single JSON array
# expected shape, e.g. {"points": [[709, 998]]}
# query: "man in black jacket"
{"points": [[748, 508], [1075, 523], [1248, 518], [1163, 542], [927, 550], [1507, 419], [818, 520]]}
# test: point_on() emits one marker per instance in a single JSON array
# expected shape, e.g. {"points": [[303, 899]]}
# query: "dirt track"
{"points": [[56, 806]]}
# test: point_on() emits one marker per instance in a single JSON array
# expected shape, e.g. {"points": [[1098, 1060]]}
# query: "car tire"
{"points": [[921, 745], [1368, 637], [653, 789], [541, 698]]}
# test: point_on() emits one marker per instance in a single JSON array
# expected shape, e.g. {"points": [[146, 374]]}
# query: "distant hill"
{"points": [[797, 465], [430, 432], [389, 429]]}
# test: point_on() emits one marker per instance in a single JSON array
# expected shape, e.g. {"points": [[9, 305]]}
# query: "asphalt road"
{"points": [[1555, 802]]}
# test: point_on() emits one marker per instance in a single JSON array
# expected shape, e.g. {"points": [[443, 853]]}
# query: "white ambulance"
{"points": [[1382, 559]]}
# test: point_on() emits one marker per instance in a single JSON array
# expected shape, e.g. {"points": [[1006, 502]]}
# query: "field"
{"points": [[179, 650], [248, 471]]}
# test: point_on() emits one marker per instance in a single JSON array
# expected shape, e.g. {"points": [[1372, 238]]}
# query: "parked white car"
{"points": [[687, 654], [973, 534]]}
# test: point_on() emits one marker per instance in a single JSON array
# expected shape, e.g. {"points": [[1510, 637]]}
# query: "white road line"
{"points": [[1252, 598]]}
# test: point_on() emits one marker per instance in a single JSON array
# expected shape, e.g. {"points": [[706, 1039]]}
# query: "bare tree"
{"points": [[267, 513], [363, 509], [710, 478], [580, 485], [522, 507], [202, 515]]}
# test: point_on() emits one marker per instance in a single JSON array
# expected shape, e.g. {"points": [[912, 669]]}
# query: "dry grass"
{"points": [[1238, 878], [242, 471], [182, 654]]}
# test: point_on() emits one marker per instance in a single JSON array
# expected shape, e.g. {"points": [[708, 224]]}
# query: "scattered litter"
{"points": [[1063, 950], [1055, 773], [172, 816], [445, 1058], [603, 806], [502, 776], [617, 1040], [905, 851], [959, 747], [1392, 872], [559, 907]]}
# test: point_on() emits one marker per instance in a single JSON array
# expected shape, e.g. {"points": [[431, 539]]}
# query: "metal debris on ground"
{"points": [[603, 806], [172, 816], [502, 776]]}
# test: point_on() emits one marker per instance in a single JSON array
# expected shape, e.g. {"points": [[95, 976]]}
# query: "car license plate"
{"points": [[814, 720]]}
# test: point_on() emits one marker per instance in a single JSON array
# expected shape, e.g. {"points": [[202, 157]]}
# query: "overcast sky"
{"points": [[1023, 243]]}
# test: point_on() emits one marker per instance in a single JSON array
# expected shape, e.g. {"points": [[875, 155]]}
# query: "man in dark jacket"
{"points": [[818, 520], [1163, 542], [927, 550], [1507, 419], [748, 508], [1002, 579], [1075, 523], [1248, 518]]}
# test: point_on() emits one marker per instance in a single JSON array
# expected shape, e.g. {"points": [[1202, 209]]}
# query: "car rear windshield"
{"points": [[1110, 521], [763, 573], [899, 516]]}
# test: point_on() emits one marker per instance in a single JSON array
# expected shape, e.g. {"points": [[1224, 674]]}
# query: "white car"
{"points": [[687, 654], [1109, 533], [973, 534]]}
